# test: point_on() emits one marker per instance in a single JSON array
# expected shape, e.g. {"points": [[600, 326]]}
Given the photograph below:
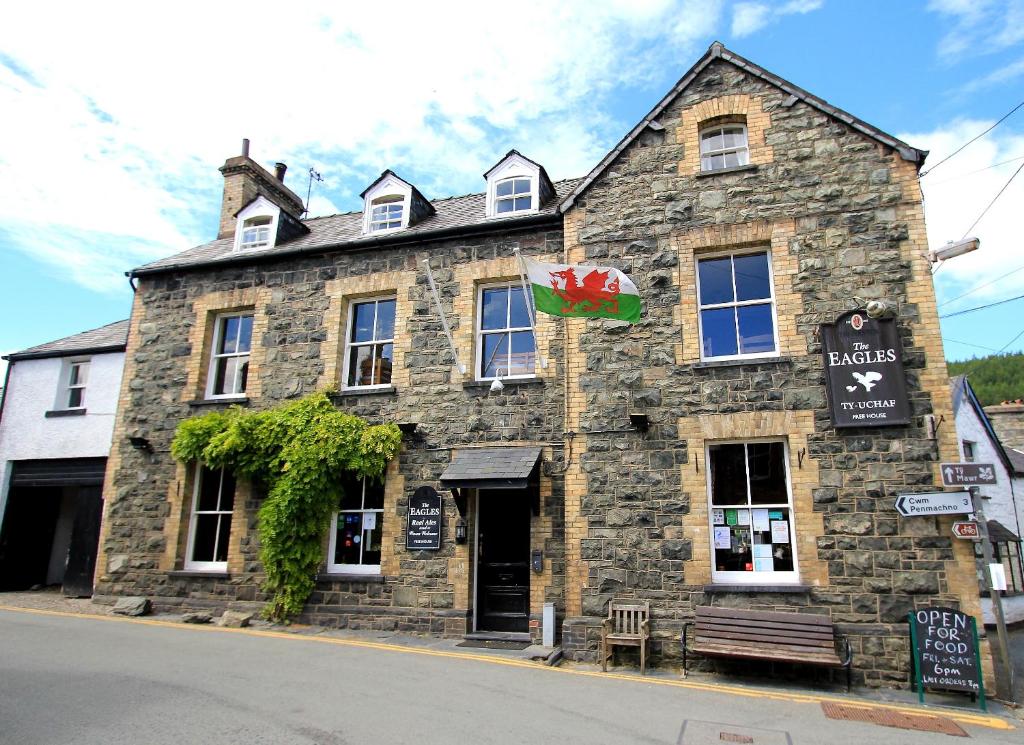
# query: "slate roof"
{"points": [[1016, 460], [109, 338], [999, 533], [718, 51], [495, 468], [345, 231]]}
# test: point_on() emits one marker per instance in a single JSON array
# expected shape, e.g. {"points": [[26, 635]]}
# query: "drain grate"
{"points": [[889, 718], [492, 644]]}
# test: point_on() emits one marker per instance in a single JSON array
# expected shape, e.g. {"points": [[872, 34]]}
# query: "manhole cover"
{"points": [[890, 718], [696, 732]]}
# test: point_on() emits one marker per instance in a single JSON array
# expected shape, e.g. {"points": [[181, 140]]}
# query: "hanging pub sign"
{"points": [[864, 372], [423, 528], [944, 645]]}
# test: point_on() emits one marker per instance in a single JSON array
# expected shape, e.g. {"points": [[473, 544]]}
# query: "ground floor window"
{"points": [[357, 529], [210, 521], [752, 527]]}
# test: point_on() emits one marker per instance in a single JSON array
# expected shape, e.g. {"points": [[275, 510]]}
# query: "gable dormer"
{"points": [[391, 203], [516, 184]]}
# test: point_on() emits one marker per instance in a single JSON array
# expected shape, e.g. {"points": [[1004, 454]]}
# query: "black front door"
{"points": [[503, 571], [85, 538]]}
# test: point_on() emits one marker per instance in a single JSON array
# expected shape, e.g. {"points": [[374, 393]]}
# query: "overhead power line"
{"points": [[980, 170], [982, 307], [978, 287], [1011, 341], [1006, 116], [966, 232], [967, 344]]}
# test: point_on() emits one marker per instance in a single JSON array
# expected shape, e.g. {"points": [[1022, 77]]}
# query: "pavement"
{"points": [[568, 703]]}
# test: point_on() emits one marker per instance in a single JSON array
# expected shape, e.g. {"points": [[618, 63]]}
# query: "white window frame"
{"points": [[193, 523], [530, 192], [737, 304], [743, 152], [386, 202], [211, 375], [513, 167], [391, 186], [970, 450], [752, 578], [349, 344], [262, 229], [79, 363], [333, 568], [480, 332], [260, 207]]}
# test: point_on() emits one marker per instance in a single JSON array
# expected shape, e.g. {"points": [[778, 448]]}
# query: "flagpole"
{"points": [[444, 321], [528, 299]]}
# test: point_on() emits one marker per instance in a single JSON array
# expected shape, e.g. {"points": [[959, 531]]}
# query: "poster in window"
{"points": [[730, 517], [369, 520], [864, 372], [764, 565], [742, 517], [760, 520], [718, 517], [762, 551], [723, 537], [780, 531]]}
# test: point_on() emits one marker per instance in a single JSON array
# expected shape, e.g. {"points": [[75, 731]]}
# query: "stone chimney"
{"points": [[244, 180]]}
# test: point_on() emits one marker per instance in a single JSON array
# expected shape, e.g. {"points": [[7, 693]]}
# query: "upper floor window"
{"points": [[723, 147], [357, 529], [737, 307], [751, 515], [256, 232], [229, 360], [968, 451], [78, 376], [505, 342], [513, 195], [210, 520], [386, 212], [369, 349]]}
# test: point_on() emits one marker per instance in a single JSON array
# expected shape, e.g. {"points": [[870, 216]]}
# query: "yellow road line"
{"points": [[980, 720]]}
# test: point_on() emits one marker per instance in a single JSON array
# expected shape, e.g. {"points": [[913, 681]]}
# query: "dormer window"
{"points": [[387, 212], [517, 185], [256, 232], [513, 195]]}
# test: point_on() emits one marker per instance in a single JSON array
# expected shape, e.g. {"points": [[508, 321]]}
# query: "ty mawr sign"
{"points": [[934, 503], [968, 474], [864, 372]]}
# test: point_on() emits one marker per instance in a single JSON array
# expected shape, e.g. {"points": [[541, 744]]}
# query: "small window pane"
{"points": [[372, 540], [383, 363], [224, 532], [224, 380], [715, 281], [374, 499], [245, 334], [728, 475], [504, 188], [522, 186], [348, 538], [718, 332], [522, 361], [518, 314], [495, 312], [730, 160], [505, 205], [362, 323], [360, 365], [229, 335], [352, 494], [495, 355], [227, 492], [767, 464], [209, 489], [385, 319], [523, 203], [204, 543], [78, 374], [757, 334], [76, 398], [752, 281], [711, 140]]}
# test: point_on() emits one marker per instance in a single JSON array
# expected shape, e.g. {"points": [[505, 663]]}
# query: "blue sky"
{"points": [[115, 122]]}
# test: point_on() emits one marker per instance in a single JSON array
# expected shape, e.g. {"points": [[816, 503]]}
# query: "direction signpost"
{"points": [[934, 503], [966, 530], [967, 474]]}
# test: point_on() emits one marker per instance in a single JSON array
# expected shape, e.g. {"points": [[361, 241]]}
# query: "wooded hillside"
{"points": [[996, 378]]}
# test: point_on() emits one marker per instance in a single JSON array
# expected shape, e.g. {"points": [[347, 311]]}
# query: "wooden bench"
{"points": [[627, 625], [763, 635]]}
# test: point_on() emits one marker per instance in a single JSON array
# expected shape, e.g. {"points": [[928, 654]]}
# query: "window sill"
{"points": [[480, 384], [740, 362], [205, 574], [735, 169], [64, 412], [384, 390], [369, 579], [716, 589], [237, 401]]}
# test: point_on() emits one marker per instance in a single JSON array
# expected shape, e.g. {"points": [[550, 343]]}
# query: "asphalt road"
{"points": [[84, 680]]}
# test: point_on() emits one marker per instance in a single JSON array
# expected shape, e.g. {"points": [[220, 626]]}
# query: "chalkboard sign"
{"points": [[423, 528], [945, 650], [864, 371]]}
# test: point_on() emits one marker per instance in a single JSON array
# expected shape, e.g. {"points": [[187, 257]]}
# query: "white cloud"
{"points": [[958, 192], [979, 26], [749, 17], [122, 118]]}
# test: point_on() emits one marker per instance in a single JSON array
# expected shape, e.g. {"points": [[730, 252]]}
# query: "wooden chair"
{"points": [[628, 625]]}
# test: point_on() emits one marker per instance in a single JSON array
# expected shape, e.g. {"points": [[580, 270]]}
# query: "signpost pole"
{"points": [[997, 601]]}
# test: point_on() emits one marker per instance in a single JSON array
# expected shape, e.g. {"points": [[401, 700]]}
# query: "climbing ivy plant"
{"points": [[301, 451]]}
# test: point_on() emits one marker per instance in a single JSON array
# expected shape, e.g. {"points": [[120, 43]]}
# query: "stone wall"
{"points": [[841, 215], [1008, 421], [300, 310]]}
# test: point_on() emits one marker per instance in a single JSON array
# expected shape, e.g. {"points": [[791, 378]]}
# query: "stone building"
{"points": [[1008, 419], [689, 459]]}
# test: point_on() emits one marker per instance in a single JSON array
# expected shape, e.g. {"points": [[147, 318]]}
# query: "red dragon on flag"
{"points": [[595, 293]]}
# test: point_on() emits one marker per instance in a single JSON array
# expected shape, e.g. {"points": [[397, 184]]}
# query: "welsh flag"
{"points": [[582, 291]]}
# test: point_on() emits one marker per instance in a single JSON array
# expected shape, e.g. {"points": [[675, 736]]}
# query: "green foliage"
{"points": [[995, 378], [301, 451]]}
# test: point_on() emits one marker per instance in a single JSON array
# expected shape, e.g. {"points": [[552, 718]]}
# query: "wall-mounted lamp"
{"points": [[141, 443], [954, 248], [639, 422], [497, 385], [460, 531]]}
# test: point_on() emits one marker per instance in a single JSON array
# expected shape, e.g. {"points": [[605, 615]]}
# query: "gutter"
{"points": [[516, 225], [16, 356], [7, 381]]}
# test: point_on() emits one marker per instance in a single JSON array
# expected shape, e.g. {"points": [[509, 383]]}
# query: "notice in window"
{"points": [[760, 520], [369, 520], [723, 538], [718, 517], [730, 517], [780, 531], [764, 565], [762, 551], [742, 517]]}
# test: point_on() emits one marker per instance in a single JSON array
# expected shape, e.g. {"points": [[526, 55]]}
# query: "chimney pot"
{"points": [[245, 146], [279, 169]]}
